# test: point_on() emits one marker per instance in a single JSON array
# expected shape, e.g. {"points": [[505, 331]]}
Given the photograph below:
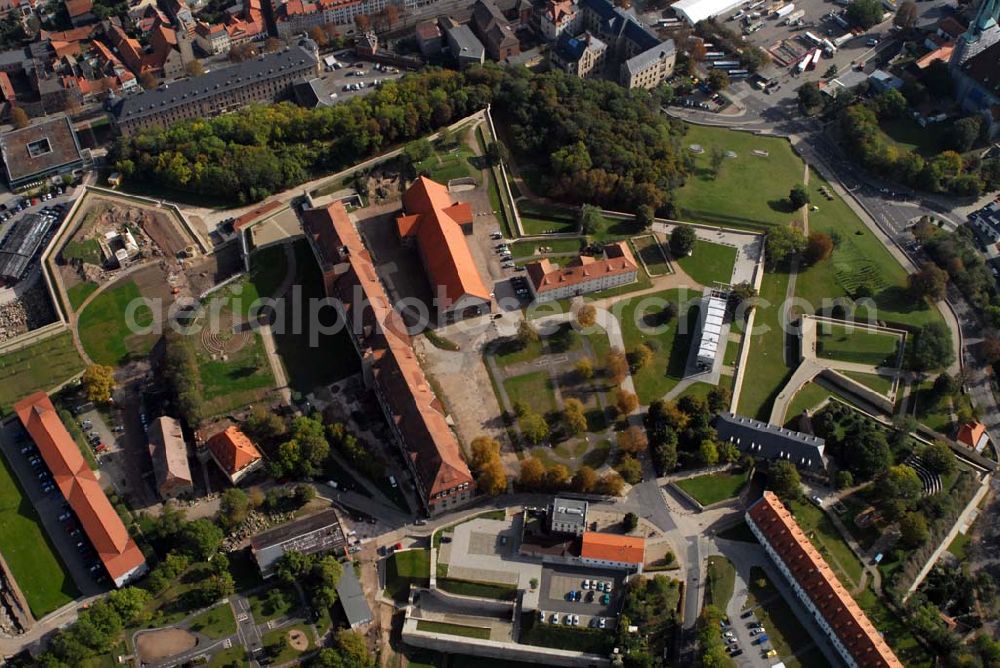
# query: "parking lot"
{"points": [[58, 521], [581, 592], [354, 76]]}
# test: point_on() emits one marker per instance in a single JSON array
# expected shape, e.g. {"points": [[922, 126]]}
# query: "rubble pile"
{"points": [[254, 523], [25, 313]]}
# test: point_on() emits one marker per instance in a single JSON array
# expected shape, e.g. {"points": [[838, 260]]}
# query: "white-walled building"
{"points": [[585, 274]]}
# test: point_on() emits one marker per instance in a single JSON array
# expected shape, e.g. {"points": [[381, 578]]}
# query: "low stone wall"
{"points": [[851, 386]]}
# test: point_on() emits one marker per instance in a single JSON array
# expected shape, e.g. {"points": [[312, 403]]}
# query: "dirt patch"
{"points": [[297, 640], [157, 645]]}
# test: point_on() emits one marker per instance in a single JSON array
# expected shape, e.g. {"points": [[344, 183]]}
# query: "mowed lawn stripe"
{"points": [[102, 327], [40, 366], [25, 547]]}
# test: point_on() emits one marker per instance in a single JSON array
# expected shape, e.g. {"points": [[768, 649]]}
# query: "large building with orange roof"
{"points": [[585, 274], [850, 631], [415, 415], [235, 453], [121, 557], [613, 551], [438, 226]]}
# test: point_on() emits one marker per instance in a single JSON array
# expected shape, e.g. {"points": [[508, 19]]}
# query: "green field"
{"points": [[88, 251], [829, 542], [215, 623], [30, 556], [807, 398], [288, 653], [40, 366], [749, 191], [500, 592], [907, 134], [766, 371], [534, 390], [853, 344], [541, 218], [721, 581], [405, 568], [880, 384], [709, 263], [79, 293], [526, 249], [653, 255], [448, 162], [105, 334], [453, 629], [895, 631], [640, 321], [714, 487], [234, 655]]}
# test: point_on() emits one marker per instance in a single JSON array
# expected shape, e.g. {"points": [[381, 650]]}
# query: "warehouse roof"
{"points": [[699, 10], [353, 599], [39, 149]]}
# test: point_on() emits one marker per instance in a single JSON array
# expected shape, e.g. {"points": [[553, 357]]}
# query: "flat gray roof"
{"points": [[569, 511], [353, 598]]}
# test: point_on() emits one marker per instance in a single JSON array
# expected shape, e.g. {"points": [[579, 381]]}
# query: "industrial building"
{"points": [[41, 150], [316, 533], [568, 516], [121, 557], [21, 244], [851, 633], [769, 442], [710, 342], [352, 598], [694, 11]]}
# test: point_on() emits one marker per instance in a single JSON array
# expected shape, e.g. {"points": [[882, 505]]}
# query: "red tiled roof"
{"points": [[970, 433], [6, 89], [545, 277], [416, 412], [251, 216], [78, 7], [435, 220], [233, 450], [851, 625], [105, 530], [612, 547]]}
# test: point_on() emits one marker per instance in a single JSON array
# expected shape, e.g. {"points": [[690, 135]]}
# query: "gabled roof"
{"points": [[618, 260], [815, 577], [971, 433], [768, 441], [435, 221], [233, 450], [168, 452], [78, 7], [612, 547], [78, 484]]}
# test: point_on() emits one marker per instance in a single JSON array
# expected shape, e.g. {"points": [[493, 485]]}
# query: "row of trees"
{"points": [[954, 253], [97, 629], [680, 433], [535, 476]]}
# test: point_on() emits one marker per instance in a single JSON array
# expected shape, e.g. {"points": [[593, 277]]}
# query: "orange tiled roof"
{"points": [[417, 414], [251, 216], [233, 450], [970, 433], [612, 547], [78, 7], [78, 484], [940, 53], [852, 626], [435, 220], [544, 276]]}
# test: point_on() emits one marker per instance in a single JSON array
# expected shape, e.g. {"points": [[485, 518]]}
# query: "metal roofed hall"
{"points": [[353, 599], [212, 83], [316, 533], [695, 11], [21, 244], [713, 315], [767, 441]]}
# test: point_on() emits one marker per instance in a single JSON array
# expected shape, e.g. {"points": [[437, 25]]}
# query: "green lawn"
{"points": [[215, 623], [501, 592], [534, 390], [525, 249], [269, 266], [405, 568], [829, 542], [510, 351], [853, 344], [714, 487], [26, 549], [880, 384], [749, 191], [311, 358], [244, 377], [784, 630], [907, 134], [647, 248], [262, 610], [959, 547], [931, 410], [447, 163], [766, 372], [709, 263], [79, 293], [895, 631], [699, 390], [533, 225], [542, 218], [594, 641], [104, 333], [288, 653], [88, 251], [40, 366], [808, 398], [721, 581], [226, 657], [453, 629], [640, 321]]}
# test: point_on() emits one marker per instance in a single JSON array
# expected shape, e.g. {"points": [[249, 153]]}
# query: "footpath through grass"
{"points": [[714, 487], [30, 556], [40, 366]]}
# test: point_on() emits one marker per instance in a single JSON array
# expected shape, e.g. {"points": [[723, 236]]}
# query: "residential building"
{"points": [[268, 78], [121, 557], [831, 606], [430, 39], [613, 551], [465, 47], [580, 56], [643, 60], [234, 453], [42, 150], [648, 69], [212, 39], [494, 31], [297, 16], [770, 442], [568, 516], [548, 282], [438, 226], [559, 17], [169, 453], [352, 598], [973, 435], [81, 12], [320, 532], [414, 414]]}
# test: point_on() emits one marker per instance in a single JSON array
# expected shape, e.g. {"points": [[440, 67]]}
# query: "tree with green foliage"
{"points": [[798, 196], [938, 457], [864, 13], [932, 348], [902, 483], [964, 133], [200, 539], [630, 469], [534, 427], [913, 531], [629, 522], [574, 418], [783, 243], [718, 79], [233, 508], [591, 219], [682, 240], [708, 453], [844, 480], [418, 151], [906, 15], [784, 480], [810, 98]]}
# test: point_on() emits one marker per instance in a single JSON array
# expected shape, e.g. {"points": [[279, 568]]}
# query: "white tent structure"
{"points": [[713, 313], [694, 11]]}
